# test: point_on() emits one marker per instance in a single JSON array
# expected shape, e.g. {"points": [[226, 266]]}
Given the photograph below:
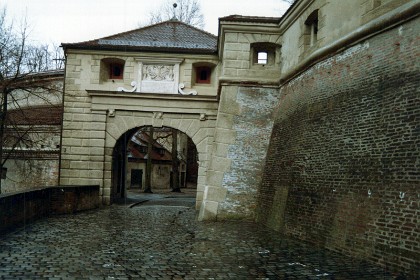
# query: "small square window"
{"points": [[203, 75], [116, 71], [263, 53], [262, 57]]}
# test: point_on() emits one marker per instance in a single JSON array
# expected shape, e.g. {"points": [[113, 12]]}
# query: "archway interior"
{"points": [[154, 159]]}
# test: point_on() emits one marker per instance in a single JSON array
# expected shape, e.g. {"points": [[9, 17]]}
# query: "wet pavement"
{"points": [[157, 236]]}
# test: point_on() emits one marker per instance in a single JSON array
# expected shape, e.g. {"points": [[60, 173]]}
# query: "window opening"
{"points": [[203, 75], [312, 25], [116, 71], [264, 53], [262, 58]]}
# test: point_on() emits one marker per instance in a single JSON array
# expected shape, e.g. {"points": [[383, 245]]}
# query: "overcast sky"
{"points": [[69, 21]]}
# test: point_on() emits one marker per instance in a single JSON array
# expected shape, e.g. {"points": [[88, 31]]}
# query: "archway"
{"points": [[150, 159]]}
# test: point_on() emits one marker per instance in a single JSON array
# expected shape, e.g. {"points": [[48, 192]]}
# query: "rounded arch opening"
{"points": [[153, 159]]}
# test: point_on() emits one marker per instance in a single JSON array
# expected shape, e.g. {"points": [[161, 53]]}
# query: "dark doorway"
{"points": [[136, 178], [153, 159]]}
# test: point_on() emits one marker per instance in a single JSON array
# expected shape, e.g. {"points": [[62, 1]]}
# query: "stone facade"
{"points": [[96, 115]]}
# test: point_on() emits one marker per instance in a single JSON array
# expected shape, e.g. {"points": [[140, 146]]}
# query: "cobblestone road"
{"points": [[160, 239]]}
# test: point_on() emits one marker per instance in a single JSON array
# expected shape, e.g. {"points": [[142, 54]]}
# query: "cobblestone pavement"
{"points": [[159, 238]]}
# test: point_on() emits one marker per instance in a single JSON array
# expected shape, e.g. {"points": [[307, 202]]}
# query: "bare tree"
{"points": [[175, 162], [20, 62], [148, 186], [188, 11]]}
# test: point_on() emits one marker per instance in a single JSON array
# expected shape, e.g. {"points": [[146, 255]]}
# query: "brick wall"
{"points": [[342, 168]]}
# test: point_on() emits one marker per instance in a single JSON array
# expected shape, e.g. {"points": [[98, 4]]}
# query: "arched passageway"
{"points": [[150, 159]]}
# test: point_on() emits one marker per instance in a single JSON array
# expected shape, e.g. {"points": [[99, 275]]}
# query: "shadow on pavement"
{"points": [[165, 197]]}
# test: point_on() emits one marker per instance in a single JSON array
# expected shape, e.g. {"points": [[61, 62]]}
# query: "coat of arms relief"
{"points": [[158, 77], [158, 73]]}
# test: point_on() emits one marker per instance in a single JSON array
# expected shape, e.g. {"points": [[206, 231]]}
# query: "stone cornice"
{"points": [[158, 96], [149, 55], [197, 106], [159, 60]]}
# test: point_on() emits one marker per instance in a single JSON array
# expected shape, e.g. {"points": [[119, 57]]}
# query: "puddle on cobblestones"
{"points": [[108, 265], [263, 252], [161, 242]]}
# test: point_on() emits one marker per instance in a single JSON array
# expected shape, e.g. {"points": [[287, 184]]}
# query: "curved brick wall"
{"points": [[343, 164]]}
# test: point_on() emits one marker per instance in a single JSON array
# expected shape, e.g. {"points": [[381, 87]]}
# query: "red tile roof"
{"points": [[36, 115], [136, 147]]}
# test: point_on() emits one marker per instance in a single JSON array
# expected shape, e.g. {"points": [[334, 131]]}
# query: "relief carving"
{"points": [[180, 90], [158, 73], [133, 84]]}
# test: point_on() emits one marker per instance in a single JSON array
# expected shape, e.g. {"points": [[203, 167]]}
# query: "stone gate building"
{"points": [[307, 123]]}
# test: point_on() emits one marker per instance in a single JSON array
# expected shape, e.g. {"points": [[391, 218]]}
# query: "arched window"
{"points": [[311, 31]]}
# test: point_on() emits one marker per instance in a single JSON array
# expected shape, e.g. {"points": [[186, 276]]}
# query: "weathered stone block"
{"points": [[217, 194], [231, 64], [231, 37], [225, 120], [79, 165], [214, 178], [232, 55], [220, 149], [220, 164], [97, 142], [233, 46], [230, 72], [208, 211], [226, 136]]}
